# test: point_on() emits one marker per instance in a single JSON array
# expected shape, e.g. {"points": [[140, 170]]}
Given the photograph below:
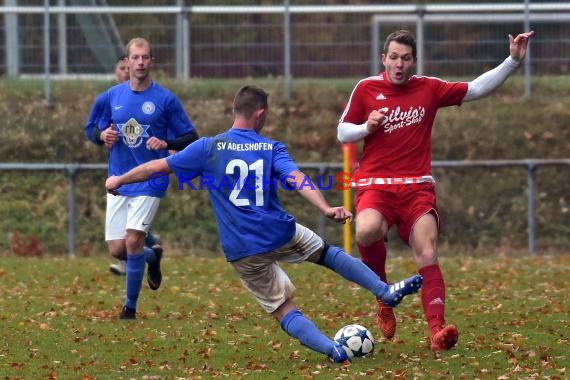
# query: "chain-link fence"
{"points": [[274, 40]]}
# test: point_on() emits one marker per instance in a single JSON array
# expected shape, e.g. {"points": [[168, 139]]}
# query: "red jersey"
{"points": [[401, 147]]}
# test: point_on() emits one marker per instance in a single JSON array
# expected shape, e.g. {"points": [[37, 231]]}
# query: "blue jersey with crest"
{"points": [[138, 116], [242, 172]]}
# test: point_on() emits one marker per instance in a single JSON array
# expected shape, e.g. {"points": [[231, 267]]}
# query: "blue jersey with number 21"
{"points": [[242, 171]]}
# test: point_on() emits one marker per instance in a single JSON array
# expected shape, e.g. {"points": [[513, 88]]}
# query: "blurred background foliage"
{"points": [[483, 210]]}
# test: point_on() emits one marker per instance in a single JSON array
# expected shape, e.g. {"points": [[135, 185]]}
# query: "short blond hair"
{"points": [[137, 41]]}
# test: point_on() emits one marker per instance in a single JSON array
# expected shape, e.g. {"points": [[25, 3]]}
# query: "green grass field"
{"points": [[58, 319]]}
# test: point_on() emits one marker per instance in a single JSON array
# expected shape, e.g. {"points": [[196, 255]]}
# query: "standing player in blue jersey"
{"points": [[142, 122], [242, 169], [91, 130], [93, 134]]}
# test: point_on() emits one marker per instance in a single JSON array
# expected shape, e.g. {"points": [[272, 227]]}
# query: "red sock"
{"points": [[433, 297], [374, 256]]}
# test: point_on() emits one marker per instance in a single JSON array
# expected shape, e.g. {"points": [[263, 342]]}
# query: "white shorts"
{"points": [[262, 276], [128, 213]]}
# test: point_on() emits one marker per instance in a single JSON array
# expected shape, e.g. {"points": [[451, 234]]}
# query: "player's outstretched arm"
{"points": [[138, 174], [486, 83], [312, 194]]}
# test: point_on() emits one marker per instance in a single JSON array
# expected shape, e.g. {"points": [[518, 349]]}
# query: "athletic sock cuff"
{"points": [[430, 271], [288, 318], [324, 253]]}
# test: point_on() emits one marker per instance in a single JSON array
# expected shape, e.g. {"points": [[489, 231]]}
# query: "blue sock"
{"points": [[135, 273], [298, 326], [150, 240], [149, 255], [352, 269]]}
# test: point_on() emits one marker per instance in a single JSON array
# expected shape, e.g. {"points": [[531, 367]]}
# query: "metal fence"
{"points": [[530, 165], [269, 40]]}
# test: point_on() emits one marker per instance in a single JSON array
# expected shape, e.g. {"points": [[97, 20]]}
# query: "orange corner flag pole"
{"points": [[349, 158]]}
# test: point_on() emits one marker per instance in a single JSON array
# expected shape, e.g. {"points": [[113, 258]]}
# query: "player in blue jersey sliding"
{"points": [[142, 121], [93, 134], [242, 169]]}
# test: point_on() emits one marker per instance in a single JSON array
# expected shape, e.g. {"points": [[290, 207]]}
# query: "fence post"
{"points": [[531, 184], [71, 219], [182, 43], [287, 50], [62, 39], [420, 39], [527, 67], [47, 44], [11, 41]]}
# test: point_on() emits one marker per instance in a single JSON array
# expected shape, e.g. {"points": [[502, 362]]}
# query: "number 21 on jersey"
{"points": [[243, 176]]}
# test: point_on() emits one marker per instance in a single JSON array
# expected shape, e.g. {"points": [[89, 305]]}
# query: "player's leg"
{"points": [[151, 239], [297, 325], [371, 230], [143, 210], [136, 263], [307, 245], [423, 241], [118, 251], [154, 253], [153, 258], [116, 235], [354, 270], [115, 221], [273, 290]]}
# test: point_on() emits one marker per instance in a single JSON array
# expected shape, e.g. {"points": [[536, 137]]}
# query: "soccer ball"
{"points": [[356, 340]]}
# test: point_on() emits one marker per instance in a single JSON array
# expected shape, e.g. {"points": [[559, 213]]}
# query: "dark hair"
{"points": [[404, 37], [249, 99], [121, 58]]}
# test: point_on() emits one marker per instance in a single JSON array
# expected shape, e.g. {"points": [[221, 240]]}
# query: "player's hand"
{"points": [[109, 136], [339, 214], [518, 45], [375, 118], [154, 143], [112, 184]]}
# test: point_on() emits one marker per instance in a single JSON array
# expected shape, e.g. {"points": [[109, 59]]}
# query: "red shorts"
{"points": [[402, 207]]}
